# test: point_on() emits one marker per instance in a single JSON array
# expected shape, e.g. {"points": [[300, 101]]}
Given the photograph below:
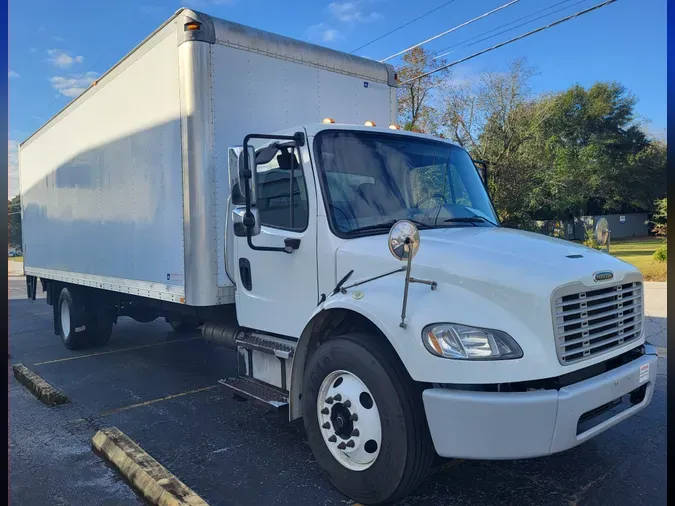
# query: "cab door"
{"points": [[277, 290]]}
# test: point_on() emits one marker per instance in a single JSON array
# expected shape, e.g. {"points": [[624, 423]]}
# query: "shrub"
{"points": [[590, 241], [661, 254]]}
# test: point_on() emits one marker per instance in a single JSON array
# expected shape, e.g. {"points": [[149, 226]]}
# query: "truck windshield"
{"points": [[372, 180]]}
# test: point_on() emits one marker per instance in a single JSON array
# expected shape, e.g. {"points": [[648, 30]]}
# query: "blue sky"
{"points": [[57, 48]]}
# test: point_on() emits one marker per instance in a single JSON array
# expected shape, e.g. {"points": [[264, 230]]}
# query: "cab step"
{"points": [[256, 391], [281, 348]]}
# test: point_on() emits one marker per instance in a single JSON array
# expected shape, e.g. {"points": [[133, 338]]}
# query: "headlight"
{"points": [[451, 340]]}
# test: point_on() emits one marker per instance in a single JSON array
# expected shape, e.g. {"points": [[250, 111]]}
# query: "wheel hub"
{"points": [[349, 420]]}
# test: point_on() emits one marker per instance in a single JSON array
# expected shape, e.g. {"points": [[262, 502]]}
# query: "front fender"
{"points": [[380, 301]]}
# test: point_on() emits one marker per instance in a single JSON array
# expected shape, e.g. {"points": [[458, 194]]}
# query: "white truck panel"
{"points": [[127, 187], [102, 184], [272, 91]]}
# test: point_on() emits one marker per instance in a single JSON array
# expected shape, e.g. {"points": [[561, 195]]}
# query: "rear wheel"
{"points": [[81, 325], [365, 420], [71, 325]]}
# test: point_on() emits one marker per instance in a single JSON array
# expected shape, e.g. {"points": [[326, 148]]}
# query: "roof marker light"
{"points": [[192, 26], [394, 127], [328, 120], [370, 123]]}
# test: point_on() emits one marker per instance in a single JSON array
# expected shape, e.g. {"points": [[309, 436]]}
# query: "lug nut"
{"points": [[347, 403], [350, 444], [332, 439], [326, 425], [342, 446], [337, 397], [329, 400], [325, 411], [355, 433], [353, 417]]}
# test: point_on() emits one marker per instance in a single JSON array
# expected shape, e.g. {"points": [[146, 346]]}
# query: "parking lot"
{"points": [[161, 390]]}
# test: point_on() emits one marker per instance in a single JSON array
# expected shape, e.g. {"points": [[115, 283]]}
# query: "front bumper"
{"points": [[513, 425]]}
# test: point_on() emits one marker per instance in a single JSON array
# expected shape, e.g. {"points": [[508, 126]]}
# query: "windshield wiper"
{"points": [[469, 219], [389, 224]]}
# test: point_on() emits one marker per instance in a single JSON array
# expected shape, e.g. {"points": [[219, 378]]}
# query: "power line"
{"points": [[509, 29], [401, 26], [532, 32], [484, 15], [77, 79]]}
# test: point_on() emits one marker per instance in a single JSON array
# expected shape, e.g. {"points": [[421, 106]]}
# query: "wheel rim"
{"points": [[349, 420], [65, 319]]}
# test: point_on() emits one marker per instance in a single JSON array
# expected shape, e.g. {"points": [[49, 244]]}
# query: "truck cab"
{"points": [[380, 297]]}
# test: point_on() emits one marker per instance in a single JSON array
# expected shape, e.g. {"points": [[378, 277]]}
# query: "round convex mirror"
{"points": [[404, 240], [602, 231]]}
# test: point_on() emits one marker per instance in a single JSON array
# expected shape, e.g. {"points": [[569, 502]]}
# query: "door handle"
{"points": [[291, 244]]}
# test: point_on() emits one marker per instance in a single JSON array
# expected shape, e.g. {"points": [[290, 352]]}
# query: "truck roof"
{"points": [[314, 128], [220, 31]]}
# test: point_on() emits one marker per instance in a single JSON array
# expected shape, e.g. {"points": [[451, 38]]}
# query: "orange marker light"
{"points": [[370, 123], [394, 127], [328, 120], [193, 25]]}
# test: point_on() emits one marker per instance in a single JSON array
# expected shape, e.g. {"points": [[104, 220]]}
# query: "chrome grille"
{"points": [[588, 322]]}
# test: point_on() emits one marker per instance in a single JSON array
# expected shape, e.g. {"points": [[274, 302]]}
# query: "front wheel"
{"points": [[365, 420]]}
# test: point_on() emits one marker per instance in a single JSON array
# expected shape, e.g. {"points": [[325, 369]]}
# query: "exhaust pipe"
{"points": [[223, 334]]}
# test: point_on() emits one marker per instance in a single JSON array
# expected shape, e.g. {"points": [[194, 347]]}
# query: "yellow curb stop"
{"points": [[145, 474], [37, 386]]}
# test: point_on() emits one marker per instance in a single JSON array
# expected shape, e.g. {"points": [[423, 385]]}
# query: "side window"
{"points": [[280, 204]]}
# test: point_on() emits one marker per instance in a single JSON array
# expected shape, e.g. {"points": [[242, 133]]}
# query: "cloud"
{"points": [[13, 168], [58, 39], [73, 86], [62, 59], [11, 74], [321, 32], [352, 12]]}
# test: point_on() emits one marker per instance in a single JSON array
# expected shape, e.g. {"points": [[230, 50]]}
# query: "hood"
{"points": [[486, 257]]}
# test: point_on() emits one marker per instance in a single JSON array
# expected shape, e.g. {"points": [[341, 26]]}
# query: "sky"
{"points": [[56, 49]]}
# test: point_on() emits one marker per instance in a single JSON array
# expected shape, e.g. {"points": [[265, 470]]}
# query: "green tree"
{"points": [[14, 221], [415, 98]]}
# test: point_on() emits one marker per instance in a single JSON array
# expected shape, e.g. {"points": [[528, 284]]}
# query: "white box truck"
{"points": [[229, 178]]}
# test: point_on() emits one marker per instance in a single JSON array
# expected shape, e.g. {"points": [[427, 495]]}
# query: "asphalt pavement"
{"points": [[161, 390]]}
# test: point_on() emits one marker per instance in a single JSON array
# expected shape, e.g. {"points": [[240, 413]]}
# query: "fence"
{"points": [[622, 226]]}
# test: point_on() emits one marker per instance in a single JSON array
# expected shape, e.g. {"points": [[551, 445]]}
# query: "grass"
{"points": [[16, 259], [639, 252]]}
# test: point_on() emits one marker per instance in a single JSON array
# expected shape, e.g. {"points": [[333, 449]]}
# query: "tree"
{"points": [[492, 116], [660, 217], [415, 111], [595, 157], [14, 222]]}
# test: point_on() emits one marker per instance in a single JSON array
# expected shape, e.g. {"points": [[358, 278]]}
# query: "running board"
{"points": [[280, 348], [257, 392]]}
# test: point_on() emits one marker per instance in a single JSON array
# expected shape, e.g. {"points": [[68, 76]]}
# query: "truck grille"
{"points": [[594, 321]]}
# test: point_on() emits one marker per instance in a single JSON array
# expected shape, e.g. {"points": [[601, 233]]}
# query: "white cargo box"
{"points": [[126, 188]]}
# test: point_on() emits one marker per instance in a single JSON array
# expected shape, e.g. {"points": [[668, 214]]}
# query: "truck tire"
{"points": [[100, 325], [184, 326], [71, 317], [384, 452], [73, 314]]}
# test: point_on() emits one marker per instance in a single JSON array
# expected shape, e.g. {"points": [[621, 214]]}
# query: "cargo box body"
{"points": [[126, 188]]}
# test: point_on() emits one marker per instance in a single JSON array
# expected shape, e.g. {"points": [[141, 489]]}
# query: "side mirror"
{"points": [[235, 164], [482, 168], [238, 222]]}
